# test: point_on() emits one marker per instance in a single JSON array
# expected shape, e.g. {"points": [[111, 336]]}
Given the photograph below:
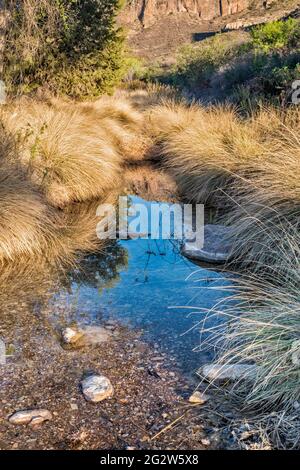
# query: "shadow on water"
{"points": [[142, 283]]}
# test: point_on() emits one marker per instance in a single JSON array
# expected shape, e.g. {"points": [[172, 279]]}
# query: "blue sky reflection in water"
{"points": [[139, 282]]}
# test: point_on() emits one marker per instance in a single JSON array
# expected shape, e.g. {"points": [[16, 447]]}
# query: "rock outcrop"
{"points": [[148, 11]]}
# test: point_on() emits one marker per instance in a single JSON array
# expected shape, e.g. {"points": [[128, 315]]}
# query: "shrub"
{"points": [[276, 35], [73, 47], [264, 62], [196, 63]]}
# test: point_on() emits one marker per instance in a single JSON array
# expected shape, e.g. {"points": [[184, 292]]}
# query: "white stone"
{"points": [[205, 442], [96, 388], [31, 417], [229, 372], [198, 397], [71, 335]]}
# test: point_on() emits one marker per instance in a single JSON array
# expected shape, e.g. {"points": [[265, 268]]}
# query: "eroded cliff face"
{"points": [[148, 11]]}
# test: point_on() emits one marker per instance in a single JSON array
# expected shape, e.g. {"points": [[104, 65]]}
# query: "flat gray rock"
{"points": [[218, 245], [96, 388], [229, 372], [73, 337], [31, 417]]}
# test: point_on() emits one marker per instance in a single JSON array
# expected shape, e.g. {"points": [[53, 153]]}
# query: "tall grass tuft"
{"points": [[26, 225], [75, 152], [215, 155], [204, 149], [266, 202], [264, 329]]}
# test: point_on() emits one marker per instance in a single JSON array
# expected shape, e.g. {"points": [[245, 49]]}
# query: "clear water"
{"points": [[149, 285], [143, 284]]}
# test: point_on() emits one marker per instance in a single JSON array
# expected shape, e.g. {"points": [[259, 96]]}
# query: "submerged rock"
{"points": [[198, 397], [96, 388], [217, 248], [89, 335], [229, 372], [96, 334], [31, 417]]}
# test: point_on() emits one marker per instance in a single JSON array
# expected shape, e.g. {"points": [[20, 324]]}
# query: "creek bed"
{"points": [[149, 290]]}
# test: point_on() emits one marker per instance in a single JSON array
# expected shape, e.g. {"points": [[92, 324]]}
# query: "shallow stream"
{"points": [[147, 284]]}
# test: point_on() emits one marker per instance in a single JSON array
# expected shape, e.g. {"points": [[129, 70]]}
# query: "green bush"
{"points": [[196, 63], [269, 75], [71, 46], [276, 35], [260, 65]]}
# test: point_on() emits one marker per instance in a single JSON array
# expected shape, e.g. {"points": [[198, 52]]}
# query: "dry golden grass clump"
{"points": [[143, 95], [29, 227], [59, 152], [76, 152], [125, 125], [26, 227], [266, 204], [204, 149], [213, 151], [119, 118]]}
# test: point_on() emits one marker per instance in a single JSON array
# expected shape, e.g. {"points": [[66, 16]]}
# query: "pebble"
{"points": [[96, 388], [205, 442], [198, 397], [31, 417], [71, 335]]}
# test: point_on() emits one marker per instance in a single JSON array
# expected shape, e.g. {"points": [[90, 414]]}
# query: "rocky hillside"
{"points": [[156, 28], [148, 11]]}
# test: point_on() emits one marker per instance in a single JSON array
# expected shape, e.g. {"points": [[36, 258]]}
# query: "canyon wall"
{"points": [[148, 11]]}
